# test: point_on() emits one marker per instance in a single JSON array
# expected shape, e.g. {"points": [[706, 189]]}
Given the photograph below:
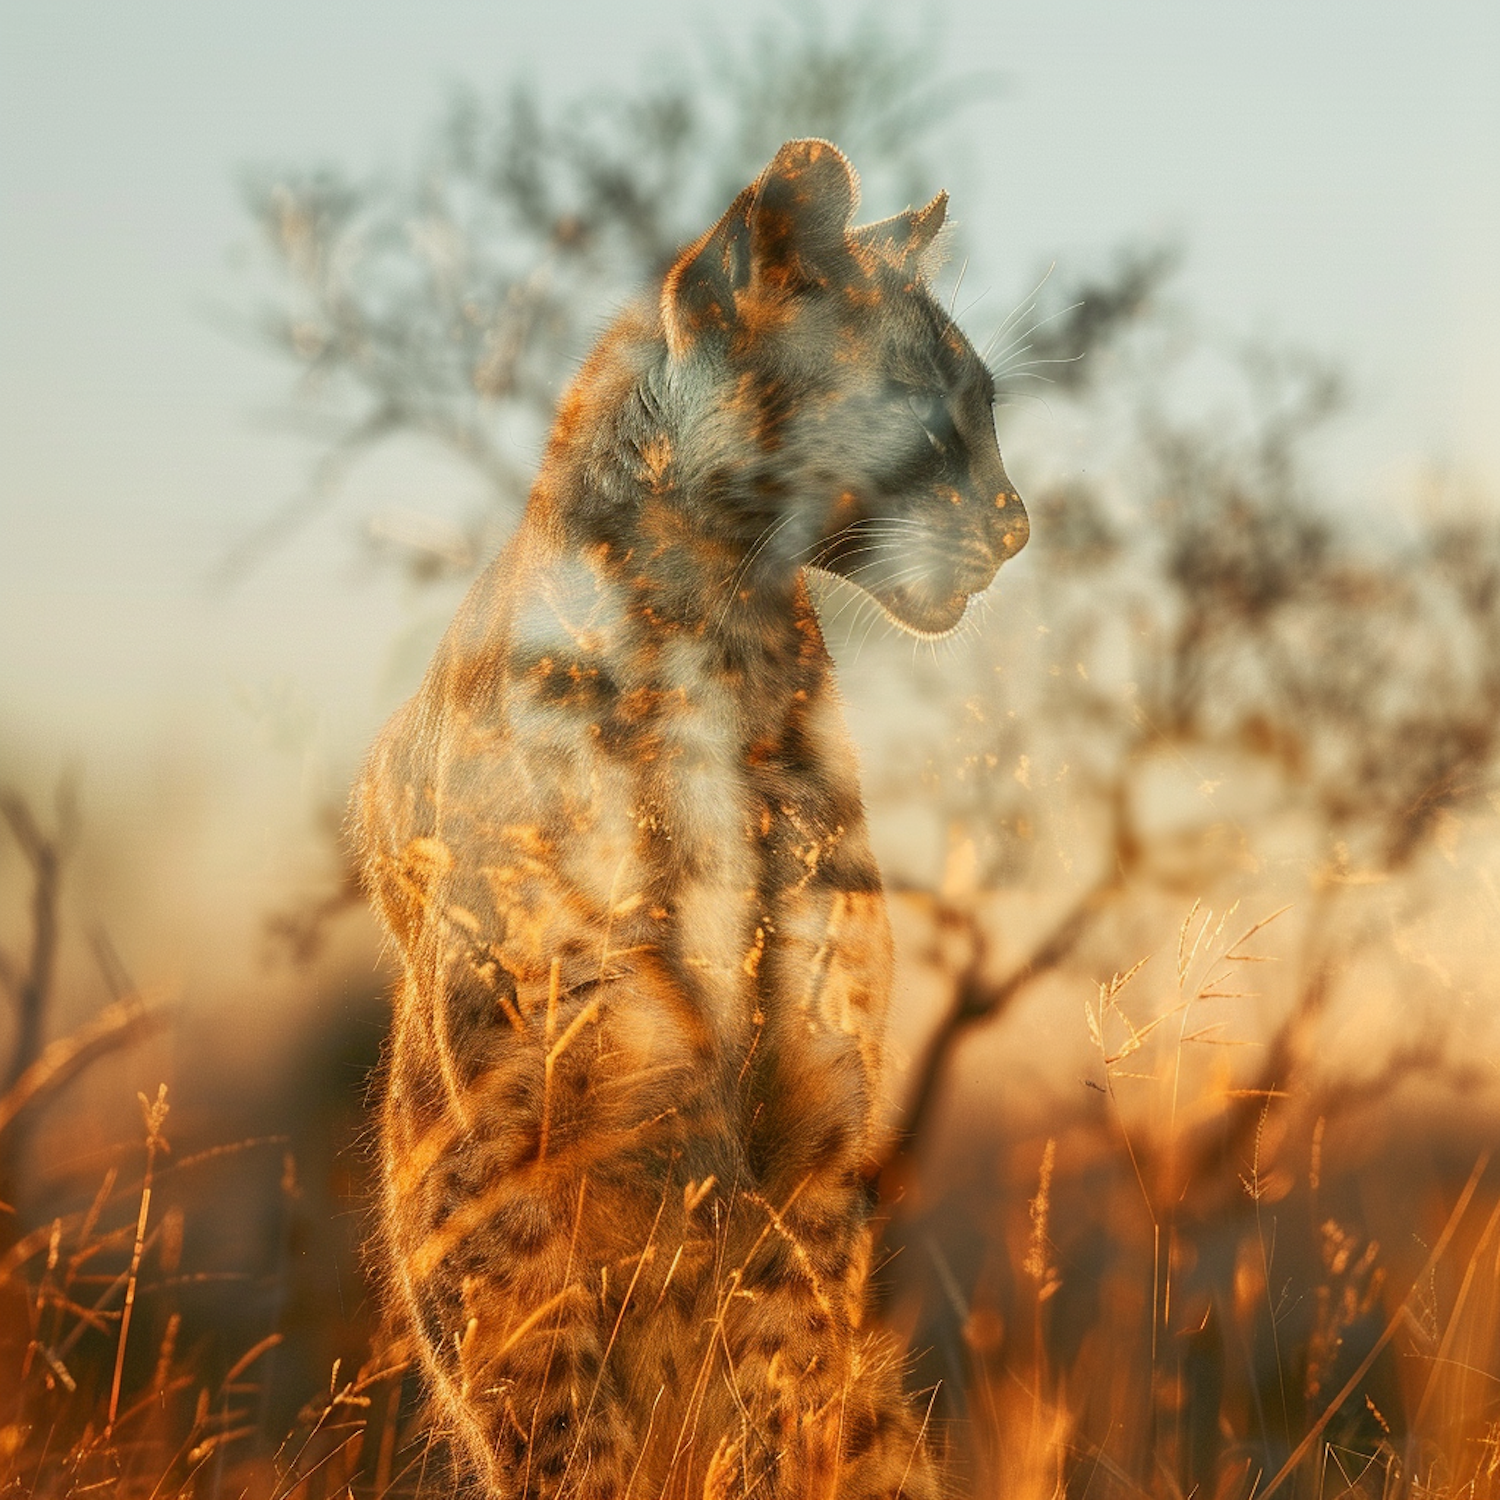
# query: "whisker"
{"points": [[766, 537], [887, 546], [742, 571], [856, 598], [1007, 371], [962, 272], [888, 579], [1019, 398], [886, 531], [1020, 338], [1029, 375], [1022, 310], [912, 572], [1028, 301], [829, 548], [970, 305], [879, 615], [853, 529], [743, 565]]}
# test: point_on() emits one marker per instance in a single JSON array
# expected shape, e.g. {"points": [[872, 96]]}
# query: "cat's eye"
{"points": [[930, 411]]}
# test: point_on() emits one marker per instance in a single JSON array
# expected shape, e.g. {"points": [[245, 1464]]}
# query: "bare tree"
{"points": [[1208, 602]]}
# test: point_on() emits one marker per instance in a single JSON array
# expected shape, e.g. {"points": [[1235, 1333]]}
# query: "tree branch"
{"points": [[32, 985], [117, 1025], [975, 1002]]}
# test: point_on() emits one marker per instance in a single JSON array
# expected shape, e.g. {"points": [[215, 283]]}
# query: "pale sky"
{"points": [[1332, 169]]}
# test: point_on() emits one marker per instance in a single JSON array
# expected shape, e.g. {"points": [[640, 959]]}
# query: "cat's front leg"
{"points": [[536, 1190]]}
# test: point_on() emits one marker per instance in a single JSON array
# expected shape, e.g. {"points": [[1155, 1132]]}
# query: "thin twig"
{"points": [[115, 1026]]}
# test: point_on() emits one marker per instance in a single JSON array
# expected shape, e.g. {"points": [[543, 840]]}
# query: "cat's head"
{"points": [[841, 419]]}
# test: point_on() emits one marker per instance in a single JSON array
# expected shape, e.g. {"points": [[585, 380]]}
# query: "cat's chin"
{"points": [[921, 615]]}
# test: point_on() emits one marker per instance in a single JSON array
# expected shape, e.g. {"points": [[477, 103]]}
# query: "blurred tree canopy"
{"points": [[1222, 647]]}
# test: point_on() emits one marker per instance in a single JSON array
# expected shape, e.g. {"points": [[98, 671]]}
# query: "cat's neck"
{"points": [[622, 483]]}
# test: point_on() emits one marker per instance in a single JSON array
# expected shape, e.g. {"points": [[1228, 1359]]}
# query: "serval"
{"points": [[617, 836]]}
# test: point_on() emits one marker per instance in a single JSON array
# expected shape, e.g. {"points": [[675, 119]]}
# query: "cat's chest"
{"points": [[697, 795], [748, 823], [749, 782]]}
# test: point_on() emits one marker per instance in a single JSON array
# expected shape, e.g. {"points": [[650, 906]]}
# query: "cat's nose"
{"points": [[1009, 525]]}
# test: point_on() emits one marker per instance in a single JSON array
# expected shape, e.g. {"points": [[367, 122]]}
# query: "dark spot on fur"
{"points": [[435, 1306], [860, 1430]]}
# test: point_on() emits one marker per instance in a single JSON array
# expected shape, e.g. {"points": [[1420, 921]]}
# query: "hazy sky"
{"points": [[1332, 168]]}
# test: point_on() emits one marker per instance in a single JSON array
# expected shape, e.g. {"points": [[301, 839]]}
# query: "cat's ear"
{"points": [[799, 220], [786, 230], [904, 238], [698, 295]]}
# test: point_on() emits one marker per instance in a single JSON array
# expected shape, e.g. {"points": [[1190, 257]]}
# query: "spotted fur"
{"points": [[618, 839]]}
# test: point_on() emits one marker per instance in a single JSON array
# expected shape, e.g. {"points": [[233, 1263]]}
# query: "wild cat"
{"points": [[617, 836]]}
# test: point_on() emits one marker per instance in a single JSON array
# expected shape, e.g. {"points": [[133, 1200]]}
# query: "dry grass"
{"points": [[103, 1394], [1149, 1318], [1153, 1317]]}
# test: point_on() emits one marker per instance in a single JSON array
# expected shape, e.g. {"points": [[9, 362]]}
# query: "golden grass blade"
{"points": [[1352, 1384], [1454, 1324], [155, 1113]]}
